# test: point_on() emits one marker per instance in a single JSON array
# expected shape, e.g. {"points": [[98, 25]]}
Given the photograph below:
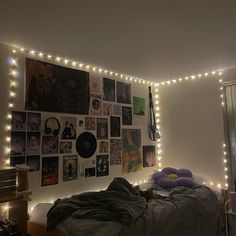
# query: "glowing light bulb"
{"points": [[66, 61], [206, 74], [32, 52], [81, 65], [58, 58], [40, 54], [49, 56]]}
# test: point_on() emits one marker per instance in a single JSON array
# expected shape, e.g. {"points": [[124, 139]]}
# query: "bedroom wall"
{"points": [[192, 128], [63, 189]]}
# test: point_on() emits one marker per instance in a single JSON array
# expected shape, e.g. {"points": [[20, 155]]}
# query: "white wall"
{"points": [[192, 127], [50, 193]]}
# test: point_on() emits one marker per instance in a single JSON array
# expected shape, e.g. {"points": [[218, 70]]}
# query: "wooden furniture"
{"points": [[18, 204]]}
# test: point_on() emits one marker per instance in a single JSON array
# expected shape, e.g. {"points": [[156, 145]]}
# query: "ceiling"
{"points": [[154, 40]]}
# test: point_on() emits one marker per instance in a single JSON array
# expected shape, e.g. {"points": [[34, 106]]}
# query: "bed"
{"points": [[123, 210]]}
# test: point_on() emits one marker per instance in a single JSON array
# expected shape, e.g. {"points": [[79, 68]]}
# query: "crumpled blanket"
{"points": [[119, 202]]}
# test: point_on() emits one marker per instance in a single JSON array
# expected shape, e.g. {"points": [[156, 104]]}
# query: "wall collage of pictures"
{"points": [[93, 135]]}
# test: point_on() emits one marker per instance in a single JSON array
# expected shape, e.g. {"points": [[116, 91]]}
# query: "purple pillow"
{"points": [[185, 181], [185, 173], [170, 170]]}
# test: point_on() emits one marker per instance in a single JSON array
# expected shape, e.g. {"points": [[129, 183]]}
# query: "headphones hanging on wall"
{"points": [[48, 130]]}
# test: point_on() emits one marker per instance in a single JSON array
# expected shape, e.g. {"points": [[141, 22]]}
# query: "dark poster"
{"points": [[108, 90], [102, 162], [102, 128], [123, 92], [56, 88], [115, 126], [70, 167], [126, 115]]}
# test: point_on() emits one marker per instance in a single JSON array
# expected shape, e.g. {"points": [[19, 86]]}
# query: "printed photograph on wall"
{"points": [[33, 162], [108, 90], [107, 109], [115, 151], [138, 106], [149, 156], [33, 143], [18, 120], [88, 165], [56, 88], [116, 110], [18, 142], [94, 84], [102, 163], [103, 146], [33, 121], [102, 128], [123, 92], [115, 126], [50, 144], [65, 147], [90, 123], [89, 172], [17, 160], [95, 105], [126, 115], [70, 167], [51, 126], [49, 171], [68, 127], [131, 150]]}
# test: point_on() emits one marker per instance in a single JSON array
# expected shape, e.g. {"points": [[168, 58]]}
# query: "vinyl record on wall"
{"points": [[86, 144]]}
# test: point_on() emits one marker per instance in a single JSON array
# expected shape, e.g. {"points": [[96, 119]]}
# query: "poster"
{"points": [[103, 146], [102, 164], [65, 147], [138, 106], [70, 167], [68, 127], [90, 123], [33, 121], [116, 110], [102, 128], [33, 143], [107, 109], [33, 162], [95, 105], [115, 151], [18, 120], [87, 167], [149, 156], [108, 90], [49, 171], [90, 172], [123, 92], [49, 144], [94, 84], [56, 88], [131, 150], [115, 126], [126, 115], [18, 142]]}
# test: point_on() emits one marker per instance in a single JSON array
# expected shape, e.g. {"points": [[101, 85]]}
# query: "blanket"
{"points": [[119, 202]]}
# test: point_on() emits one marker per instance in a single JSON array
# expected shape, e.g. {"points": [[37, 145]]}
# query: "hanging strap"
{"points": [[153, 131]]}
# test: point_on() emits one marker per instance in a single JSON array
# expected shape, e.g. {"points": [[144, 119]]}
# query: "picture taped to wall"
{"points": [[131, 150], [126, 115], [52, 126], [108, 90], [70, 167], [68, 125], [18, 120], [123, 92], [115, 151], [149, 156], [138, 106], [18, 143], [65, 147], [90, 123], [33, 143], [94, 84], [50, 166], [116, 110], [33, 121], [87, 166], [95, 105], [17, 160], [115, 126], [103, 146], [56, 88], [90, 172], [107, 109], [50, 144], [102, 128], [33, 162], [102, 163]]}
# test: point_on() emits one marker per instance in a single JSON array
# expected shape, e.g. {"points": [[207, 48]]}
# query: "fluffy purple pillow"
{"points": [[169, 170], [185, 173]]}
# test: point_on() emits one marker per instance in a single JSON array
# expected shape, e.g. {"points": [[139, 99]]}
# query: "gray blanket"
{"points": [[186, 212], [119, 202]]}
